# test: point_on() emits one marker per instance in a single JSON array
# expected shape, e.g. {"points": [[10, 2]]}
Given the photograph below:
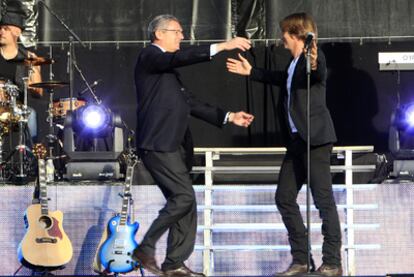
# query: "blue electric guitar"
{"points": [[115, 253]]}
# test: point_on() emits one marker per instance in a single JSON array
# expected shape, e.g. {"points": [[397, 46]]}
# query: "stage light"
{"points": [[93, 120], [93, 141], [403, 118], [94, 117], [401, 141], [409, 115]]}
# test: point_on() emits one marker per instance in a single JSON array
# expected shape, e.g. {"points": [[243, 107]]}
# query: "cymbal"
{"points": [[33, 61], [52, 84]]}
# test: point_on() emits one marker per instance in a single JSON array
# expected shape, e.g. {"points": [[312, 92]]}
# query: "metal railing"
{"points": [[265, 41], [209, 227]]}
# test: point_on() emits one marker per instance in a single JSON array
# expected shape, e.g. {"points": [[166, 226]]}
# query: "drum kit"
{"points": [[14, 114]]}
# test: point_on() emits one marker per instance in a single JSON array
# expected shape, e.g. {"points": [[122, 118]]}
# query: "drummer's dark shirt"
{"points": [[7, 69]]}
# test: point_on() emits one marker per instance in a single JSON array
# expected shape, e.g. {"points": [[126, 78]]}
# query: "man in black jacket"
{"points": [[293, 82], [164, 140]]}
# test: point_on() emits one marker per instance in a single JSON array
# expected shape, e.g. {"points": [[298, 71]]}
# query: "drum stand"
{"points": [[51, 140], [51, 137], [2, 166], [22, 115], [3, 131]]}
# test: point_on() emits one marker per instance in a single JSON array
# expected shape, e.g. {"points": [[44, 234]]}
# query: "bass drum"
{"points": [[62, 106]]}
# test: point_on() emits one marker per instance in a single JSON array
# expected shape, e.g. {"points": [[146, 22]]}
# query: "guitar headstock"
{"points": [[129, 156], [39, 151]]}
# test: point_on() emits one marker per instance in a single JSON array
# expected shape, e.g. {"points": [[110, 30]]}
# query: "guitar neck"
{"points": [[42, 187], [127, 193]]}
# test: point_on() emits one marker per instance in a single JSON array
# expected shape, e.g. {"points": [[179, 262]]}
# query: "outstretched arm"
{"points": [[235, 43], [241, 118], [241, 67], [156, 60], [217, 116]]}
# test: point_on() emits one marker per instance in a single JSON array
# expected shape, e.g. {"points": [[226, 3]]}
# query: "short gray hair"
{"points": [[160, 21]]}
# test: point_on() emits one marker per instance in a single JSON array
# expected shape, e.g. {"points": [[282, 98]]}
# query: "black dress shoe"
{"points": [[329, 270], [147, 262], [294, 270], [182, 271]]}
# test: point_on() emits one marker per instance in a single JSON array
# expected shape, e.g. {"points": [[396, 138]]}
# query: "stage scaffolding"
{"points": [[211, 155]]}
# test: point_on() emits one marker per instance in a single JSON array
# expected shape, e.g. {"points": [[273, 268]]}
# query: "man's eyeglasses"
{"points": [[177, 32]]}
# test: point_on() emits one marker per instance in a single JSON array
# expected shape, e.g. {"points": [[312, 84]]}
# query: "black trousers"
{"points": [[291, 178], [179, 215]]}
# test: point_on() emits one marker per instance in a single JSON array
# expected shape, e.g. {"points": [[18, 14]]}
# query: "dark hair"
{"points": [[160, 21], [298, 24]]}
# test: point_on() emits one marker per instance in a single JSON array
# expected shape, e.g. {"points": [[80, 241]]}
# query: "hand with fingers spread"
{"points": [[241, 118], [235, 43], [241, 67]]}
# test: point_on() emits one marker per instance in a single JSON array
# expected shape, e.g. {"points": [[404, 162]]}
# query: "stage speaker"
{"points": [[101, 170]]}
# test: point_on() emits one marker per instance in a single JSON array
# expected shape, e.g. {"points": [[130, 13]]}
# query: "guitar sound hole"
{"points": [[45, 222]]}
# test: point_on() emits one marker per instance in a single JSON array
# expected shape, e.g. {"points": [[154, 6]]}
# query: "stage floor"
{"points": [[87, 206]]}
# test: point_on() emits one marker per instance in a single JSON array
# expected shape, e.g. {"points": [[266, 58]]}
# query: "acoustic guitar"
{"points": [[45, 244]]}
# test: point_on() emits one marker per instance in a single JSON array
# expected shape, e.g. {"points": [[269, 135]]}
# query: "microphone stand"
{"points": [[308, 160], [71, 50], [71, 61], [88, 86], [71, 57]]}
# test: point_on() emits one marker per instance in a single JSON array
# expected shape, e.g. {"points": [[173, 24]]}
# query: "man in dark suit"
{"points": [[164, 140], [293, 82]]}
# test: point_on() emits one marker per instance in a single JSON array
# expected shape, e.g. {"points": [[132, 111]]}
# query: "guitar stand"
{"points": [[141, 270], [44, 271], [40, 271], [116, 274], [107, 272]]}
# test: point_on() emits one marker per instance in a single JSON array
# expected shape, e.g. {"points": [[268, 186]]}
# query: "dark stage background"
{"points": [[360, 97]]}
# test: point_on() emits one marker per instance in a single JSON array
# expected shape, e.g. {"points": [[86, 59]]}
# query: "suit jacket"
{"points": [[164, 104], [322, 128]]}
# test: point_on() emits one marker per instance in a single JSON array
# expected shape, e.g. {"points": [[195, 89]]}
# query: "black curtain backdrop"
{"points": [[360, 97], [108, 20], [347, 18]]}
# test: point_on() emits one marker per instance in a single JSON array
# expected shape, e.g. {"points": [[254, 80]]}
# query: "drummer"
{"points": [[11, 26]]}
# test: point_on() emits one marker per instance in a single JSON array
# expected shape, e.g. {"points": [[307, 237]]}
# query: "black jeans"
{"points": [[291, 178], [179, 215]]}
